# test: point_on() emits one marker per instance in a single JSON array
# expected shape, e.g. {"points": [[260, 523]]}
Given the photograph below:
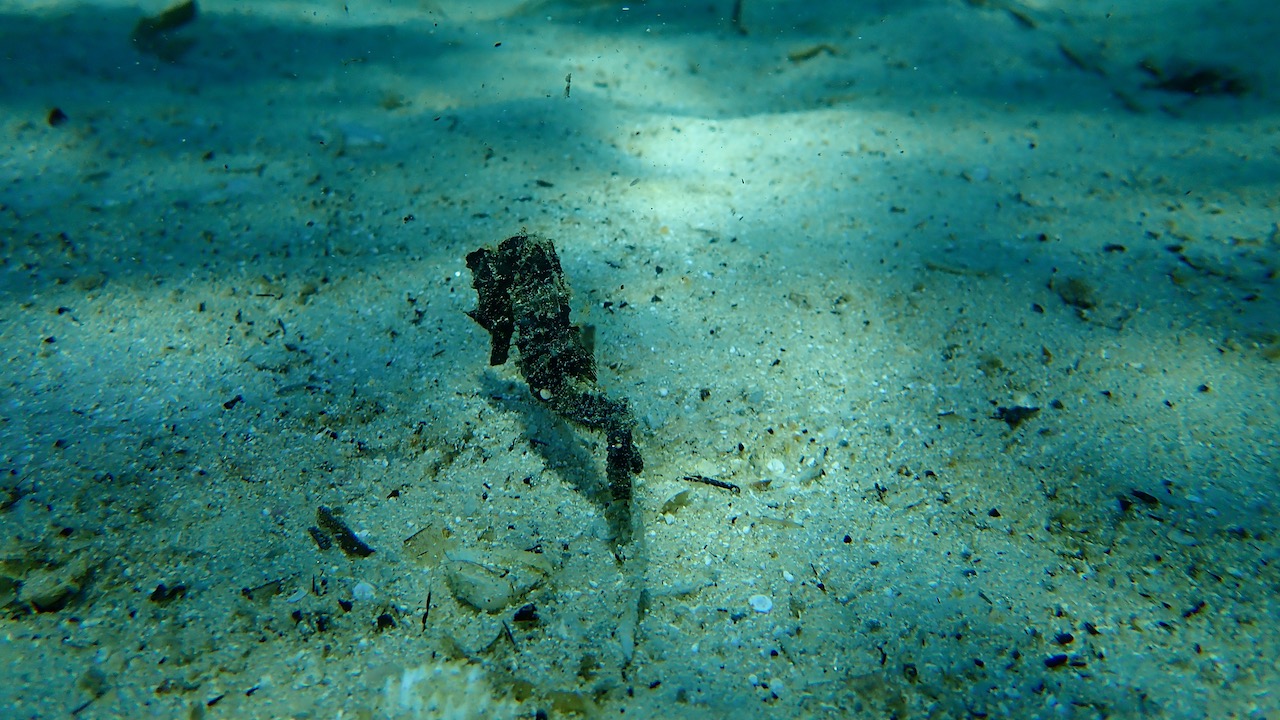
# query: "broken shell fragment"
{"points": [[491, 581]]}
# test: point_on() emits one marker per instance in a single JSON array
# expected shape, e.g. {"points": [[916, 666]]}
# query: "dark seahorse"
{"points": [[522, 296]]}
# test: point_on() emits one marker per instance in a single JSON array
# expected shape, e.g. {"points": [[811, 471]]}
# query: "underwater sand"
{"points": [[834, 254]]}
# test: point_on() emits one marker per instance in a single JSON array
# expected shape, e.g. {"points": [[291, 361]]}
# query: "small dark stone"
{"points": [[1015, 415], [1145, 497], [1076, 292], [526, 614], [352, 545], [993, 513], [1056, 660], [164, 594], [56, 117], [1064, 638], [386, 622]]}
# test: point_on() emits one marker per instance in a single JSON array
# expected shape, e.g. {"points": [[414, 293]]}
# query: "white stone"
{"points": [[760, 603], [362, 591]]}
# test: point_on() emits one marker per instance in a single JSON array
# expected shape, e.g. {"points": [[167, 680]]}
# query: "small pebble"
{"points": [[355, 135], [760, 603], [362, 591]]}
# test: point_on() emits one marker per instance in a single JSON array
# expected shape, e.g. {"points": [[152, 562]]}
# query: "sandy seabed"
{"points": [[970, 309]]}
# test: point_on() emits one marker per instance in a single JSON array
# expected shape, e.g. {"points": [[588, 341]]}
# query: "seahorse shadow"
{"points": [[574, 456]]}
